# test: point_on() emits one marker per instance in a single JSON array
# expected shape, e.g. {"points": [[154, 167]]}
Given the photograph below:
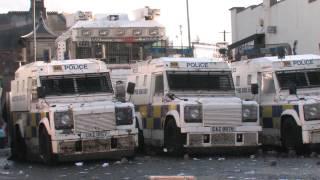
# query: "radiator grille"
{"points": [[218, 115], [95, 122]]}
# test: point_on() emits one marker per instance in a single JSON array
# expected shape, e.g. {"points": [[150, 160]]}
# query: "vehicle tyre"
{"points": [[140, 138], [291, 136], [18, 148], [173, 139], [45, 147]]}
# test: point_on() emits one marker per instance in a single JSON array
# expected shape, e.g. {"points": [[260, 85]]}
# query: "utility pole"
{"points": [[181, 38], [224, 35], [188, 20], [34, 31]]}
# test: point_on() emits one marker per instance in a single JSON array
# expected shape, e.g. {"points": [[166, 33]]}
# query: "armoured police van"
{"points": [[67, 110], [288, 91], [190, 104]]}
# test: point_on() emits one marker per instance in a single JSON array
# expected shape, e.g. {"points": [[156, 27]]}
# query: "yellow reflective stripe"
{"points": [[287, 106], [150, 123], [143, 110], [43, 115], [157, 111], [172, 107], [267, 112], [33, 120]]}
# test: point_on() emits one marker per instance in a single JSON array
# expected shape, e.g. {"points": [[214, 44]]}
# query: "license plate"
{"points": [[222, 129], [98, 134]]}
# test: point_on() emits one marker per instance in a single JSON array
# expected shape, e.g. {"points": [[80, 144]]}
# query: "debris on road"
{"points": [[5, 172], [79, 164], [250, 172], [105, 165]]}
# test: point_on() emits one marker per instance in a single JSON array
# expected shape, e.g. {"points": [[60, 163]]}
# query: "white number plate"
{"points": [[98, 134], [222, 129]]}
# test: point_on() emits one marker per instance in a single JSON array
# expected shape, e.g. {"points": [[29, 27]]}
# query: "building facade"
{"points": [[291, 22], [16, 29], [205, 50], [116, 39]]}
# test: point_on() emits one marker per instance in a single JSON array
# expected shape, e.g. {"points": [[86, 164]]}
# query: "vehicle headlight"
{"points": [[193, 114], [124, 116], [312, 112], [63, 120], [249, 113]]}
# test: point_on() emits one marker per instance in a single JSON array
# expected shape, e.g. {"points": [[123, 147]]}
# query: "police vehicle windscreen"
{"points": [[76, 84], [190, 80], [300, 79]]}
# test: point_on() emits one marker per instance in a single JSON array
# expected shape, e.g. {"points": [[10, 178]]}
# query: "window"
{"points": [[23, 86], [159, 88], [267, 86], [314, 78], [297, 79], [82, 84], [195, 81], [92, 84], [249, 79], [145, 80], [17, 86], [238, 81], [137, 80]]}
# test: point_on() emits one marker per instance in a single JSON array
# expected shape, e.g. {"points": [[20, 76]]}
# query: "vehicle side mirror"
{"points": [[120, 91], [254, 88], [130, 88], [171, 96], [41, 92], [293, 89]]}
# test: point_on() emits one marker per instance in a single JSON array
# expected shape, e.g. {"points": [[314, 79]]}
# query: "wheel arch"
{"points": [[44, 123], [173, 114], [138, 119], [293, 114]]}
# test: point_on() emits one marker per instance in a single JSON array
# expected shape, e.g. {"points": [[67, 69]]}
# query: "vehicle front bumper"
{"points": [[206, 138], [311, 133], [83, 149]]}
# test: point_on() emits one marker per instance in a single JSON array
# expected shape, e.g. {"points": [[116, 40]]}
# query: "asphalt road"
{"points": [[264, 166]]}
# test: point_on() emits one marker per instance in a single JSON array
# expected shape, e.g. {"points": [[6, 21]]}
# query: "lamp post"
{"points": [[188, 20], [181, 38], [34, 31]]}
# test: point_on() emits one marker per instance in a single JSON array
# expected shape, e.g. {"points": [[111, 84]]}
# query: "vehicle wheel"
{"points": [[173, 139], [291, 135], [18, 148], [140, 138], [45, 147]]}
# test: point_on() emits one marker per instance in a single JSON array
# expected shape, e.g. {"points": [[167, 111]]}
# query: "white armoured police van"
{"points": [[190, 103], [66, 110], [288, 91]]}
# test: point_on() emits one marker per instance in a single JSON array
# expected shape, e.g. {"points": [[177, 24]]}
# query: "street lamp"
{"points": [[188, 20], [180, 26], [34, 31]]}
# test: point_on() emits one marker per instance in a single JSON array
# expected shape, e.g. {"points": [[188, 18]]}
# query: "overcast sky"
{"points": [[207, 17]]}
